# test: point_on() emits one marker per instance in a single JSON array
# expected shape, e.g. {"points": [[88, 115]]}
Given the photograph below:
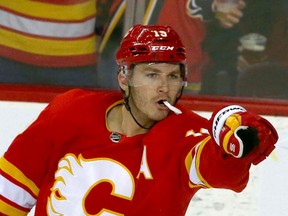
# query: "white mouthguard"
{"points": [[172, 108]]}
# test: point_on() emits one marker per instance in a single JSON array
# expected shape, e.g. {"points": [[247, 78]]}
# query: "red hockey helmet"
{"points": [[153, 43]]}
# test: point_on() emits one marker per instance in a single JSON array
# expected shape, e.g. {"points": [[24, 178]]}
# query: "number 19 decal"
{"points": [[160, 33]]}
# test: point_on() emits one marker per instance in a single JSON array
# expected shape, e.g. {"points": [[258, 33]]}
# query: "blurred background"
{"points": [[72, 43], [48, 47]]}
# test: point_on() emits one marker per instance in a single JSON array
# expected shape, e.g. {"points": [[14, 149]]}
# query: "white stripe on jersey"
{"points": [[19, 195], [46, 28], [193, 171]]}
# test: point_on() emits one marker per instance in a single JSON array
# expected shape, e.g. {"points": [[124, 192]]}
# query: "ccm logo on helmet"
{"points": [[155, 48]]}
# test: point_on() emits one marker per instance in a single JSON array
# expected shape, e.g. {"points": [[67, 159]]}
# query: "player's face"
{"points": [[150, 84]]}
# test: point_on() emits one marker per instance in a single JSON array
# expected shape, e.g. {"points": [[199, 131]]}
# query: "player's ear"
{"points": [[122, 80]]}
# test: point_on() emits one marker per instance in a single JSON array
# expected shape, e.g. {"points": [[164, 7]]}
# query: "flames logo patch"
{"points": [[75, 178]]}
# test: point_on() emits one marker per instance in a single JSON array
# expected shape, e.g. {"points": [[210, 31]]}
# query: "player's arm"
{"points": [[25, 164], [238, 139], [23, 167]]}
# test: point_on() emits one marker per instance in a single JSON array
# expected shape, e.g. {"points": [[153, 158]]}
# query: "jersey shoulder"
{"points": [[80, 100]]}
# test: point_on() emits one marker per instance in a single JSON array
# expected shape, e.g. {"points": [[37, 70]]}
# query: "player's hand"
{"points": [[231, 18], [241, 133]]}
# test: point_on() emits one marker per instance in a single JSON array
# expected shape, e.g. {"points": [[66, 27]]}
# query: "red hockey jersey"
{"points": [[68, 162]]}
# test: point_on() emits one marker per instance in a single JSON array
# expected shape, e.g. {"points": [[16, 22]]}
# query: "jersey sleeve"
{"points": [[203, 163], [208, 166], [27, 161], [24, 165]]}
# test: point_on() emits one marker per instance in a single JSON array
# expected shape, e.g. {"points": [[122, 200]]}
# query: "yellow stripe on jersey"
{"points": [[188, 164], [43, 46], [15, 173], [51, 11], [10, 210], [109, 109], [198, 157]]}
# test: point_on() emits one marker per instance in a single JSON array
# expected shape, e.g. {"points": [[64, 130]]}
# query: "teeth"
{"points": [[172, 108]]}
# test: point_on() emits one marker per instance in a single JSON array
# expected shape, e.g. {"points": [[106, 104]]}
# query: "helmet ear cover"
{"points": [[151, 44]]}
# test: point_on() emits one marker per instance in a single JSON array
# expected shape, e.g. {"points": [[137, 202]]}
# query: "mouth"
{"points": [[161, 102], [167, 105], [161, 105]]}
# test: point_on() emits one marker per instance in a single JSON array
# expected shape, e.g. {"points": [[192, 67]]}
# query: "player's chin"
{"points": [[160, 115]]}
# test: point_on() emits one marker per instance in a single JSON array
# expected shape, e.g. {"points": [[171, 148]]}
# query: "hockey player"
{"points": [[95, 153]]}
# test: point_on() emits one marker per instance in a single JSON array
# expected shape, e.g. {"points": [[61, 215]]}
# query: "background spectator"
{"points": [[187, 20], [221, 45]]}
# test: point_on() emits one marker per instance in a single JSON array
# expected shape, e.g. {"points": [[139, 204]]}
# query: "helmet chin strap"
{"points": [[180, 94], [127, 106]]}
